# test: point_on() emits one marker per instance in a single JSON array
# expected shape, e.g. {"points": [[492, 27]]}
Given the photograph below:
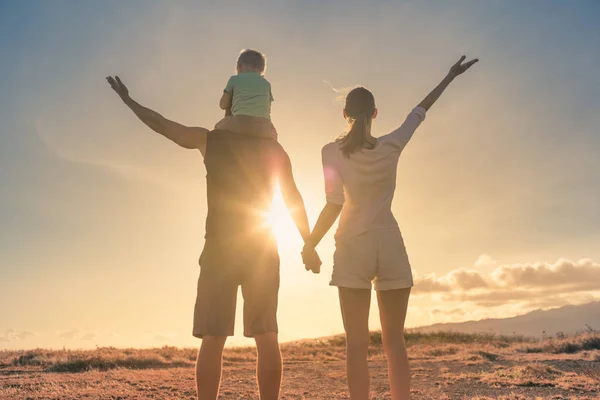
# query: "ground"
{"points": [[444, 366]]}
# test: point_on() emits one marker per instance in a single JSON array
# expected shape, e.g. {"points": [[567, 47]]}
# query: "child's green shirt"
{"points": [[251, 95]]}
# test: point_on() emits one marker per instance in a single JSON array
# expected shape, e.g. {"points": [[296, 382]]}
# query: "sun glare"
{"points": [[282, 224]]}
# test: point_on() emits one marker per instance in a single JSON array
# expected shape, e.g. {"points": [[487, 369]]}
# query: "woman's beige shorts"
{"points": [[376, 256]]}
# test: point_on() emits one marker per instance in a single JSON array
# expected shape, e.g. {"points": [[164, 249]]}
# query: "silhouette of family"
{"points": [[243, 163]]}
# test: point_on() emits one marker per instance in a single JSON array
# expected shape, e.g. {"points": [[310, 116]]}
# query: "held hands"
{"points": [[461, 67], [311, 259], [119, 87]]}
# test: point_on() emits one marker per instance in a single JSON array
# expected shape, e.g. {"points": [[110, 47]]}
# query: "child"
{"points": [[247, 98]]}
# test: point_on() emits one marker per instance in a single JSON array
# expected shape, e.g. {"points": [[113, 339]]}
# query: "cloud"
{"points": [[573, 276], [459, 280], [75, 334], [72, 334], [159, 337], [449, 311], [10, 335], [24, 335], [88, 336], [543, 284], [484, 261]]}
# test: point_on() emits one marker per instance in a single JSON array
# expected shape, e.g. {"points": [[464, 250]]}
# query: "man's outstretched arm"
{"points": [[185, 136], [295, 204]]}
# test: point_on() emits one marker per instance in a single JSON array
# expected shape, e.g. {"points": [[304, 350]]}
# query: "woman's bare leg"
{"points": [[355, 313], [392, 312]]}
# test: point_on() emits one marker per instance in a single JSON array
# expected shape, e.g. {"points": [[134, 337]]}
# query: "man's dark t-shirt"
{"points": [[241, 172], [240, 249]]}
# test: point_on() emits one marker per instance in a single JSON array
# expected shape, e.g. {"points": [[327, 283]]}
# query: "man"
{"points": [[240, 250]]}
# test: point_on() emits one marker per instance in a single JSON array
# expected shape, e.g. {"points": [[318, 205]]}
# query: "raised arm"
{"points": [[185, 136], [400, 137], [295, 204], [455, 70]]}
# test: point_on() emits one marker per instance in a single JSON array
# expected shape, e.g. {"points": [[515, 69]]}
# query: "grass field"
{"points": [[444, 366]]}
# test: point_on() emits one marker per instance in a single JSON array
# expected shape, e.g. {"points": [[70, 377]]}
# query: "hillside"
{"points": [[568, 320]]}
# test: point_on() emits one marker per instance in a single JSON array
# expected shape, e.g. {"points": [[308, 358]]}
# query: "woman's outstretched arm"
{"points": [[455, 71], [400, 137]]}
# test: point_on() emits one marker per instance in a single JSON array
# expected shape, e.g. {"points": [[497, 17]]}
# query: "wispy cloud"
{"points": [[76, 334], [10, 335]]}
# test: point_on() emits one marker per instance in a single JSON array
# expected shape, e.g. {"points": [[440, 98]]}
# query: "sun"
{"points": [[282, 224]]}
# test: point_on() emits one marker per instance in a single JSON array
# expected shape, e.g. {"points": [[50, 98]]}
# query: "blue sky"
{"points": [[101, 220]]}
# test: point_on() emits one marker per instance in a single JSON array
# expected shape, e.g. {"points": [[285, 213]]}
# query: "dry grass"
{"points": [[540, 375], [103, 359], [445, 365], [566, 345]]}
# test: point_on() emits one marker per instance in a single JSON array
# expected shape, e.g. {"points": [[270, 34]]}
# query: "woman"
{"points": [[360, 179]]}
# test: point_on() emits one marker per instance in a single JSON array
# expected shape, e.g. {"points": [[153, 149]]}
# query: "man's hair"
{"points": [[253, 59]]}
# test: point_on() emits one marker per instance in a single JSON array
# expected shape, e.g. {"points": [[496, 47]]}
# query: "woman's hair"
{"points": [[360, 108], [253, 59]]}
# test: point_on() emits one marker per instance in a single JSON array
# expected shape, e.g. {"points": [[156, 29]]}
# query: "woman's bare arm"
{"points": [[324, 223], [455, 71]]}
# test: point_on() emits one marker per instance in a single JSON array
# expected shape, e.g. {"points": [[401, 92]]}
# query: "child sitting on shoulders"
{"points": [[247, 98]]}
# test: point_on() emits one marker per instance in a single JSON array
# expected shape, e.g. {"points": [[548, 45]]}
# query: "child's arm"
{"points": [[225, 102], [227, 97]]}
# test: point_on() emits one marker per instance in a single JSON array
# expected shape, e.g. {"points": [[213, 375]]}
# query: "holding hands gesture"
{"points": [[311, 259]]}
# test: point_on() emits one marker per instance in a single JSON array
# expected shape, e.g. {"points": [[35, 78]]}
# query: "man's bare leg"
{"points": [[268, 366], [208, 367]]}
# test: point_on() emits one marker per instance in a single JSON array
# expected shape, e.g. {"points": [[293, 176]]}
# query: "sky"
{"points": [[102, 220]]}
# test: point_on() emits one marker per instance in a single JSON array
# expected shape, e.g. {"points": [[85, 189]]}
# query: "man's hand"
{"points": [[311, 259], [461, 67], [119, 87]]}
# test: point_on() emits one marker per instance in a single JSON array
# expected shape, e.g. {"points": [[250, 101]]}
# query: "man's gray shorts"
{"points": [[252, 264]]}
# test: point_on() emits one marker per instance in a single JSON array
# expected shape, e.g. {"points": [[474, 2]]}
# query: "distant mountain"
{"points": [[567, 319]]}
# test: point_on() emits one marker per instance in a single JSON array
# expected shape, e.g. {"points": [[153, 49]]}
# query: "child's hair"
{"points": [[360, 108], [253, 59]]}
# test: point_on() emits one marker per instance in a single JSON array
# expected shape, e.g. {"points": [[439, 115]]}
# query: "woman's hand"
{"points": [[461, 67], [455, 70]]}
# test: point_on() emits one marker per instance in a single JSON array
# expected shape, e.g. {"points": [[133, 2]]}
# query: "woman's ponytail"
{"points": [[360, 107], [354, 140]]}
